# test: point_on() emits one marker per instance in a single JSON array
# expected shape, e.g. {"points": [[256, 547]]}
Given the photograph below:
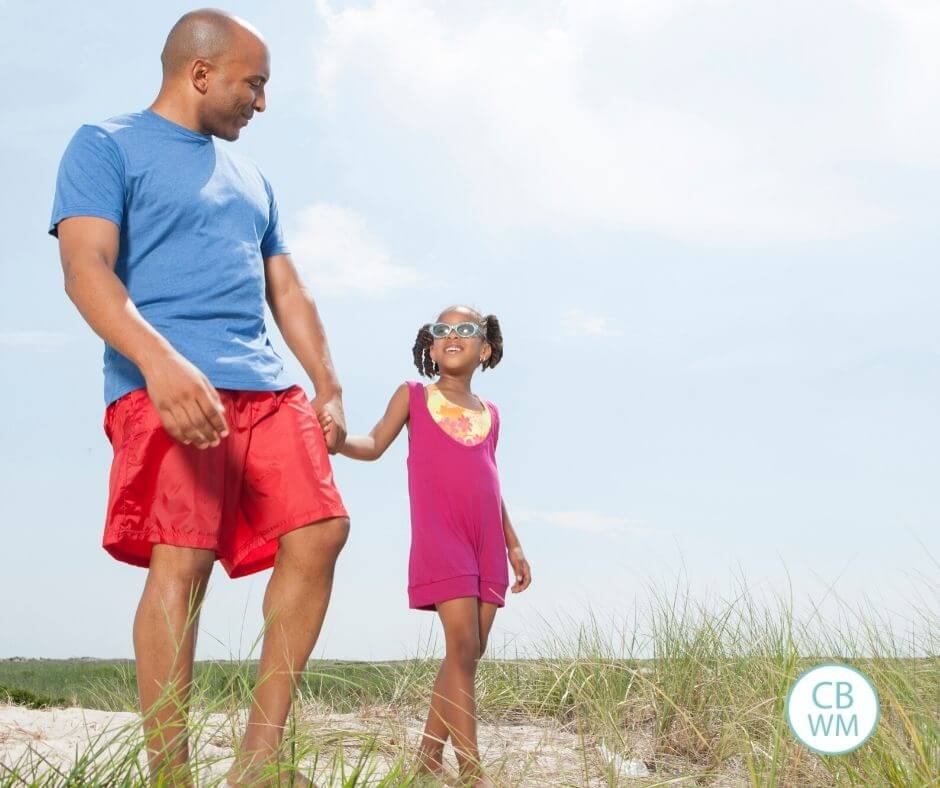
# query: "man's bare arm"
{"points": [[296, 315], [188, 405]]}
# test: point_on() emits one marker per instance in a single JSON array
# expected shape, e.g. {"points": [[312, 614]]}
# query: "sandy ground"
{"points": [[514, 754]]}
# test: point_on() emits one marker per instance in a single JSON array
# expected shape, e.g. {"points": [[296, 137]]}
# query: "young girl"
{"points": [[460, 530]]}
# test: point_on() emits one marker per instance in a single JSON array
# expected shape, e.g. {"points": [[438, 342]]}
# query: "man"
{"points": [[170, 245]]}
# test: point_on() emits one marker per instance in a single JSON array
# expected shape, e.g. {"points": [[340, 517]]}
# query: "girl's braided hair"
{"points": [[422, 347]]}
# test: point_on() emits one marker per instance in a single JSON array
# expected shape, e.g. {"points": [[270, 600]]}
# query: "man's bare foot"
{"points": [[422, 779], [299, 781], [261, 775]]}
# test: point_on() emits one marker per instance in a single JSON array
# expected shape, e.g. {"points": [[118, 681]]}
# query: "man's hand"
{"points": [[330, 414], [187, 403], [521, 567]]}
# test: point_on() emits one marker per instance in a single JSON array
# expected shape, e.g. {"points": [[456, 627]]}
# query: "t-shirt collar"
{"points": [[176, 127]]}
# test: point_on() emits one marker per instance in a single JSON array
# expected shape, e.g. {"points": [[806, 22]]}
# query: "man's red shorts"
{"points": [[272, 474]]}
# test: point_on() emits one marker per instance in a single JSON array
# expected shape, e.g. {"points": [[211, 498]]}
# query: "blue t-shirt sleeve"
{"points": [[90, 180], [272, 242]]}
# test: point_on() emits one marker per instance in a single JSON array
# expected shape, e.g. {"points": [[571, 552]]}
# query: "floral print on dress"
{"points": [[464, 425]]}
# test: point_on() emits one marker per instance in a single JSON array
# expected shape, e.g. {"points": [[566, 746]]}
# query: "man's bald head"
{"points": [[215, 69], [204, 34]]}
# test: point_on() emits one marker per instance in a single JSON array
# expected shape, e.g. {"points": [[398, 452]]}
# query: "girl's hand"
{"points": [[329, 431], [332, 420], [521, 567]]}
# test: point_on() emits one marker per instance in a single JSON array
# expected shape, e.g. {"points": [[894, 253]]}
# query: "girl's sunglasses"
{"points": [[463, 330]]}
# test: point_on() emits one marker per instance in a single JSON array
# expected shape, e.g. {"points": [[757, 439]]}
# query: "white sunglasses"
{"points": [[462, 330]]}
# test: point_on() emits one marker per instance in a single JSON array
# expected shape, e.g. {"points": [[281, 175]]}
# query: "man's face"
{"points": [[235, 87]]}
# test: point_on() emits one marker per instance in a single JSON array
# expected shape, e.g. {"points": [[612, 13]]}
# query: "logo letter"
{"points": [[847, 730], [821, 724], [843, 690], [816, 700]]}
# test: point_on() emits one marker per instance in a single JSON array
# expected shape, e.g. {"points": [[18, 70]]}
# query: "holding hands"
{"points": [[330, 414]]}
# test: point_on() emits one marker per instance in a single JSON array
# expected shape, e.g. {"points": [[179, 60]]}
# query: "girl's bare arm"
{"points": [[373, 445], [516, 557]]}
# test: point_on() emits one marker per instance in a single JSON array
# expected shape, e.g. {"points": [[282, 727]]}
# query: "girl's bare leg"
{"points": [[487, 612], [467, 624], [431, 751]]}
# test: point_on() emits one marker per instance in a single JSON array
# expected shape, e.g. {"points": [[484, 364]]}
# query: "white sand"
{"points": [[515, 755]]}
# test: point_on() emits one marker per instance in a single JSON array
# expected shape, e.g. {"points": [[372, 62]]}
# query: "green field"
{"points": [[111, 684]]}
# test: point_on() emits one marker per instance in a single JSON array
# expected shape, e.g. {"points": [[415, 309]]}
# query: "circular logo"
{"points": [[832, 709]]}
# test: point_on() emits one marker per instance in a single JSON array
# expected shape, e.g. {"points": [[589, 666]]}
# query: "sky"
{"points": [[707, 229]]}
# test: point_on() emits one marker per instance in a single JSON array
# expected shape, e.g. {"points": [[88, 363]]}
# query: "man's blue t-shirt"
{"points": [[196, 222]]}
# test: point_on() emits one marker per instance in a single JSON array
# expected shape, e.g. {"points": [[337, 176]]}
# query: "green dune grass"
{"points": [[697, 694]]}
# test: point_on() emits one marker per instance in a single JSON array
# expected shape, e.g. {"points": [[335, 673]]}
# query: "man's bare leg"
{"points": [[295, 603], [164, 645]]}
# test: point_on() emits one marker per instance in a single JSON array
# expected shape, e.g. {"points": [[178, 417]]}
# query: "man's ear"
{"points": [[200, 75]]}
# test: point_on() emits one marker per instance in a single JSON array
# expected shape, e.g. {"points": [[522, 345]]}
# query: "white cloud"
{"points": [[338, 255], [34, 340], [585, 521], [913, 117], [715, 120], [578, 323]]}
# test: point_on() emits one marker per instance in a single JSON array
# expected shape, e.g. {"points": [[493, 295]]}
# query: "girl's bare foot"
{"points": [[430, 761], [429, 769], [475, 778]]}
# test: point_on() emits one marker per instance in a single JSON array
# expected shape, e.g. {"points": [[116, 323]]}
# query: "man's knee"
{"points": [[181, 567], [314, 545], [335, 533]]}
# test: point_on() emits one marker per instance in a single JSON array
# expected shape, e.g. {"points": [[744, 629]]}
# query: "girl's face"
{"points": [[458, 355]]}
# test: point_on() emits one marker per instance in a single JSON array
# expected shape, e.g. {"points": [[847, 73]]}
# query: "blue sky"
{"points": [[707, 228]]}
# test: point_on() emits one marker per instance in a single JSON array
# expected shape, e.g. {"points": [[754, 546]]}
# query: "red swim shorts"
{"points": [[272, 474]]}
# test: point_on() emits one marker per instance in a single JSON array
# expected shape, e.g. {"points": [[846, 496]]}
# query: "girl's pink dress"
{"points": [[457, 544]]}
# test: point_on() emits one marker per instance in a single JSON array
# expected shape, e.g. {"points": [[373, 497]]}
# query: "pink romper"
{"points": [[457, 544]]}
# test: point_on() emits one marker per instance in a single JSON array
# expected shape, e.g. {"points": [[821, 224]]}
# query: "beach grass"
{"points": [[695, 696]]}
